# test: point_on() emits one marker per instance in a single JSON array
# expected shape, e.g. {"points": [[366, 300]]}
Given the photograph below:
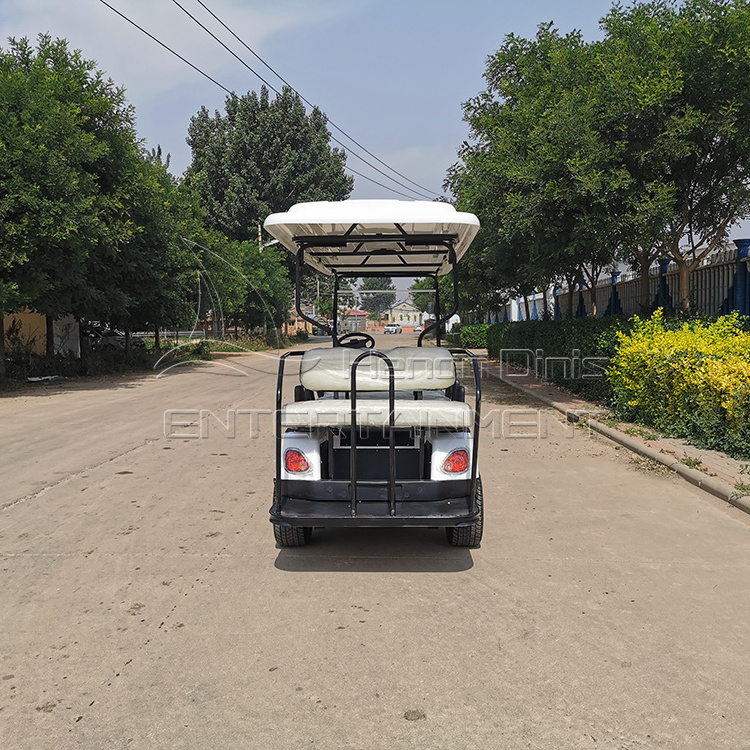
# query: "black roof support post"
{"points": [[336, 309], [298, 296], [439, 320]]}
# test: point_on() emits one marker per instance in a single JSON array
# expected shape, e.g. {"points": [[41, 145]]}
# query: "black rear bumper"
{"points": [[328, 503]]}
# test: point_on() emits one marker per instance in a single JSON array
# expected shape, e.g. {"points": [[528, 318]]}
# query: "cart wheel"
{"points": [[469, 536], [292, 536]]}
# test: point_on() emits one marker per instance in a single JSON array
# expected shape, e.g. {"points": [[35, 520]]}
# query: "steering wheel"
{"points": [[357, 340]]}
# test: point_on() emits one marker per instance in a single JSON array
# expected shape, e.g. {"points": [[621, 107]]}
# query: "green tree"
{"points": [[63, 129], [679, 78], [262, 156], [164, 296], [267, 291], [632, 147], [377, 302], [537, 172]]}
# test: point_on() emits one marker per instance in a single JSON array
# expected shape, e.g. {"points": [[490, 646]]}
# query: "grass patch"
{"points": [[641, 432]]}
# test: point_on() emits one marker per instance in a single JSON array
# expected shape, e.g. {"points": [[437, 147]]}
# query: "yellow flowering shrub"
{"points": [[693, 381]]}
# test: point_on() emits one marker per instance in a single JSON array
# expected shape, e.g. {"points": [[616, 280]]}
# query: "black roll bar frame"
{"points": [[353, 481]]}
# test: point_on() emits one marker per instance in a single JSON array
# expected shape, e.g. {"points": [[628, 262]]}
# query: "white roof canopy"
{"points": [[375, 237]]}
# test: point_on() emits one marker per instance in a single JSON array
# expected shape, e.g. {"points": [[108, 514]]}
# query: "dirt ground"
{"points": [[145, 605]]}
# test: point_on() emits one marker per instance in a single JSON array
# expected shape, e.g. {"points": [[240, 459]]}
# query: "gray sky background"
{"points": [[392, 73]]}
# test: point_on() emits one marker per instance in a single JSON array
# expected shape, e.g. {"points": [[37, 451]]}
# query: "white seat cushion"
{"points": [[415, 369], [372, 410]]}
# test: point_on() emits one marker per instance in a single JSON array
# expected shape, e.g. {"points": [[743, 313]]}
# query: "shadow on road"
{"points": [[376, 551]]}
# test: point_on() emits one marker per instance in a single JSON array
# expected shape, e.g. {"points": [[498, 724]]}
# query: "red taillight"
{"points": [[457, 462], [295, 461]]}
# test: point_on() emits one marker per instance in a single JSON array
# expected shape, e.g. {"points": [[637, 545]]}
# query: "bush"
{"points": [[684, 376], [691, 380], [475, 336], [199, 349], [573, 353]]}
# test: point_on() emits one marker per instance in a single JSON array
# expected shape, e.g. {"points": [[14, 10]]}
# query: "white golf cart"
{"points": [[377, 438]]}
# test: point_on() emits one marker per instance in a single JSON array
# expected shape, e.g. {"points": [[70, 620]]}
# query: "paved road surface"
{"points": [[144, 604]]}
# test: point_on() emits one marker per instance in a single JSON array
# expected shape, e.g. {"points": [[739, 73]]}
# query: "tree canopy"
{"points": [[631, 147], [93, 225], [377, 302], [261, 156], [66, 141]]}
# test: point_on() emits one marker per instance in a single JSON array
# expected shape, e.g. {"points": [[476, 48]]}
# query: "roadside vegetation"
{"points": [[627, 149], [687, 378], [582, 156], [587, 156], [94, 226]]}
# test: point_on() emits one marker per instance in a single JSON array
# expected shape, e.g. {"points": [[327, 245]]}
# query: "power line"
{"points": [[169, 49], [234, 95], [276, 91], [236, 56], [393, 190], [333, 124]]}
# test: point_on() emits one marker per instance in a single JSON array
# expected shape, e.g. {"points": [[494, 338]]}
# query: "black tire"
{"points": [[292, 536], [471, 535]]}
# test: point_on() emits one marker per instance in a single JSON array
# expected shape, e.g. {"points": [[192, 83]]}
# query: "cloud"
{"points": [[139, 64]]}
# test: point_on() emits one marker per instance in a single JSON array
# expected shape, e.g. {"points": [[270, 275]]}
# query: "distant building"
{"points": [[405, 313], [297, 323], [353, 319]]}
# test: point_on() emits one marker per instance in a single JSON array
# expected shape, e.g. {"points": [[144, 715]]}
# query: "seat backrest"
{"points": [[415, 369]]}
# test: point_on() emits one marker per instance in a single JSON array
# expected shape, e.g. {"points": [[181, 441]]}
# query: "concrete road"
{"points": [[144, 604]]}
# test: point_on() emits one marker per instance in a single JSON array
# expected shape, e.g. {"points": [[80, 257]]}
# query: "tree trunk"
{"points": [[644, 287], [526, 307], [545, 304], [127, 342], [571, 291], [83, 345], [157, 339], [684, 270], [2, 346], [50, 335], [592, 296]]}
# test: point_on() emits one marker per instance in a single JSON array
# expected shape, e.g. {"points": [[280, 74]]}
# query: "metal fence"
{"points": [[719, 285]]}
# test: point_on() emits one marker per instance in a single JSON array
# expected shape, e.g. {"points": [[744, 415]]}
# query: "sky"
{"points": [[391, 73]]}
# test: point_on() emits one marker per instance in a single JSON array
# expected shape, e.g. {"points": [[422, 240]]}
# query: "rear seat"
{"points": [[408, 412], [415, 369], [429, 370]]}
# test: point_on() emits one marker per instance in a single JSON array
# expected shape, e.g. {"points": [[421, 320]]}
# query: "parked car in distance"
{"points": [[102, 338], [417, 329], [392, 328]]}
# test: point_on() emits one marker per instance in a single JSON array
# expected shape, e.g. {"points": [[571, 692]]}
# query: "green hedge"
{"points": [[692, 381], [582, 346], [475, 336]]}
